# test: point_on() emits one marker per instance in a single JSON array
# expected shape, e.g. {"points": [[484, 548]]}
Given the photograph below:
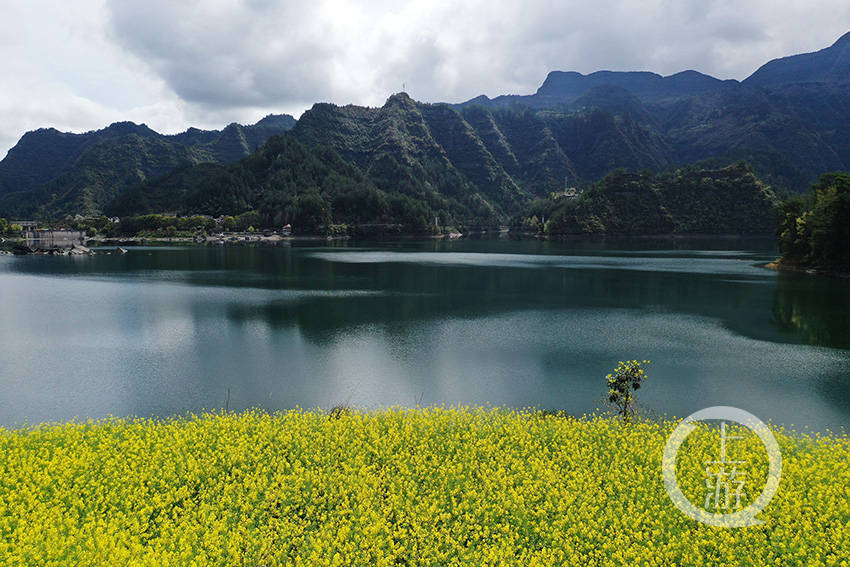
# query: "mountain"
{"points": [[408, 163], [476, 163], [562, 89], [314, 188], [790, 119], [56, 172], [286, 181], [689, 200], [830, 65], [501, 156], [41, 155]]}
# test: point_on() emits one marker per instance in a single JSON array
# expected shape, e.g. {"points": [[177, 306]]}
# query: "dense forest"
{"points": [[51, 174], [287, 182], [690, 200], [814, 229], [315, 189]]}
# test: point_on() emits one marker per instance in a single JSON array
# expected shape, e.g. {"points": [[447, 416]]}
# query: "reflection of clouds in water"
{"points": [[561, 361], [165, 331], [451, 327], [696, 361], [706, 263]]}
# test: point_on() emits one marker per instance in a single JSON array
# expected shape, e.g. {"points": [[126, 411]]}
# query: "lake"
{"points": [[162, 331]]}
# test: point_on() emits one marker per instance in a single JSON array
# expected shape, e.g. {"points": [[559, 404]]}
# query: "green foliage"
{"points": [[311, 188], [815, 230], [163, 225], [247, 220], [50, 173], [622, 383], [687, 201], [7, 229], [94, 225], [401, 166]]}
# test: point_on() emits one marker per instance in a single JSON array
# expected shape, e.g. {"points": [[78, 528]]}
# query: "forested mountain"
{"points": [[689, 200], [56, 172], [286, 181], [790, 119], [477, 163], [313, 188]]}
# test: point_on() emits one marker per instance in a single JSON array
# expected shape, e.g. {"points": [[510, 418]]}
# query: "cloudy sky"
{"points": [[79, 65]]}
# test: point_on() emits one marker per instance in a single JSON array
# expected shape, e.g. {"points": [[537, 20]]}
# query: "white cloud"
{"points": [[232, 53], [81, 64]]}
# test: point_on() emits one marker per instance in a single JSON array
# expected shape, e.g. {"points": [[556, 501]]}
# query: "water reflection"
{"points": [[813, 309], [169, 330]]}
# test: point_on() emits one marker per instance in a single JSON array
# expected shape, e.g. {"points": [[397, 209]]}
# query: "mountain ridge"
{"points": [[48, 167], [486, 158], [828, 65]]}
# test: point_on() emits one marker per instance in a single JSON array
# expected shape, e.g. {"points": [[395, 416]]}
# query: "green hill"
{"points": [[690, 200], [285, 181], [51, 173], [814, 229]]}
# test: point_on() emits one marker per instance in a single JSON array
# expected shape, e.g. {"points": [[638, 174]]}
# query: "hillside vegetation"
{"points": [[790, 119], [401, 487], [691, 200], [288, 182], [50, 173], [475, 164], [814, 229]]}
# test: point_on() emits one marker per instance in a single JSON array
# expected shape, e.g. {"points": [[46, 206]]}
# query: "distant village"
{"points": [[67, 236]]}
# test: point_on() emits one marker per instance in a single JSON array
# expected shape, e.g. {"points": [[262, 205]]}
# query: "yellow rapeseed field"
{"points": [[465, 486]]}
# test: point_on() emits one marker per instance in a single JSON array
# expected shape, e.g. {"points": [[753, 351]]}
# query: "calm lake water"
{"points": [[165, 331]]}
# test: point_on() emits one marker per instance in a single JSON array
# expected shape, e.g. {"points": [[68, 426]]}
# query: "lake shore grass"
{"points": [[463, 486]]}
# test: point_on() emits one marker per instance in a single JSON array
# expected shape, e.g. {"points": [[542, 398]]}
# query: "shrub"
{"points": [[622, 384]]}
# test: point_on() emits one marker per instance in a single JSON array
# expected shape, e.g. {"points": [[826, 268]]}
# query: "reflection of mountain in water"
{"points": [[409, 292], [524, 323], [814, 309], [406, 286]]}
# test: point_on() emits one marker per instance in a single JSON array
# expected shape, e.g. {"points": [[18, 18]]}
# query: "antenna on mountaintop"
{"points": [[402, 87]]}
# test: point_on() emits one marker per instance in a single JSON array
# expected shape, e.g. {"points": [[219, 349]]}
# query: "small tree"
{"points": [[622, 384]]}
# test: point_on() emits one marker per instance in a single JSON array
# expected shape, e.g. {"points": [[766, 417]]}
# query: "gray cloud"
{"points": [[266, 53], [80, 64]]}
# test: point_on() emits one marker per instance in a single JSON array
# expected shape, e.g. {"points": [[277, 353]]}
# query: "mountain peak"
{"points": [[643, 84], [399, 98], [829, 65], [284, 121], [126, 127]]}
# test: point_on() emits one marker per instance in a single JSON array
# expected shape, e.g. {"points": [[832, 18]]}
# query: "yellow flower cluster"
{"points": [[464, 486]]}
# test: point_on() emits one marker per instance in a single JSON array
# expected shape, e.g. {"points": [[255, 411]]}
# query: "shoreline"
{"points": [[7, 244], [779, 266]]}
